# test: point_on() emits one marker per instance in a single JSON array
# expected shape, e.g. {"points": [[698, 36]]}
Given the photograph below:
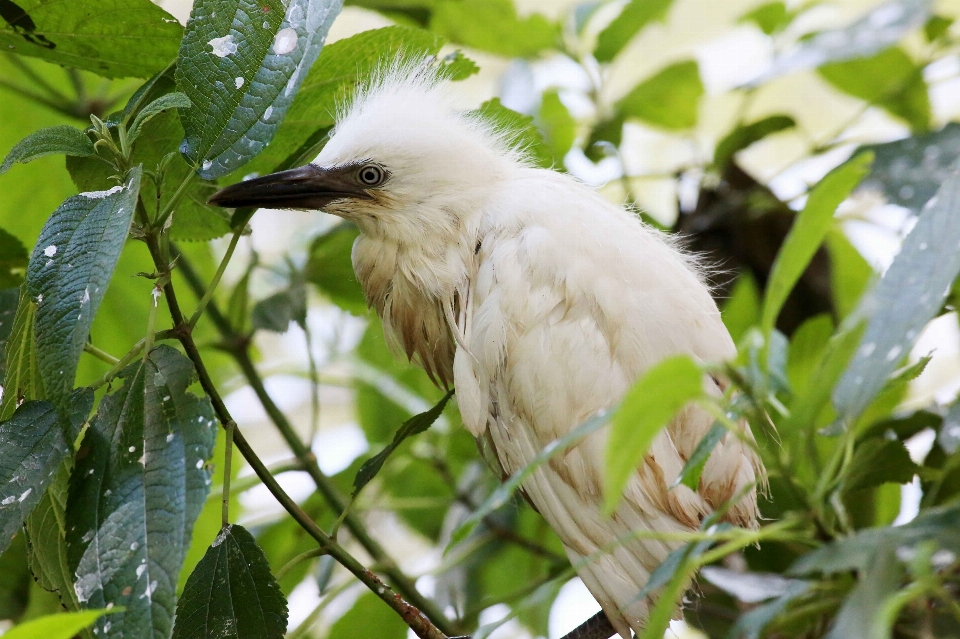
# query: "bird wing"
{"points": [[570, 300]]}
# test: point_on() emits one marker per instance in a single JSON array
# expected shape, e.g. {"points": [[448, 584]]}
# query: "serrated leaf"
{"points": [[329, 267], [647, 407], [890, 79], [8, 311], [139, 484], [13, 261], [22, 379], [808, 231], [68, 274], [46, 540], [175, 100], [413, 426], [494, 26], [634, 17], [114, 38], [669, 99], [341, 67], [908, 172], [878, 29], [60, 626], [232, 593], [693, 469], [520, 130], [747, 134], [878, 461], [33, 447], [241, 63], [910, 294], [54, 140]]}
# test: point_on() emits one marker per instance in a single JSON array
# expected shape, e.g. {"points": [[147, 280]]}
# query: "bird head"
{"points": [[401, 162]]}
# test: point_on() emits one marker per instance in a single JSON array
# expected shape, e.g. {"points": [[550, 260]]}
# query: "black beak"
{"points": [[306, 187]]}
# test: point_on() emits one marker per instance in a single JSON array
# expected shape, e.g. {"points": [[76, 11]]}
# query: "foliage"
{"points": [[119, 337]]}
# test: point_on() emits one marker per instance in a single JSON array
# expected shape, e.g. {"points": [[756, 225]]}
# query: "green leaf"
{"points": [[520, 130], [174, 100], [329, 267], [889, 79], [413, 426], [46, 540], [277, 311], [669, 99], [60, 626], [936, 27], [15, 580], [558, 126], [878, 461], [646, 408], [742, 309], [8, 312], [862, 612], [806, 350], [493, 25], [68, 274], [139, 485], [114, 38], [750, 625], [241, 63], [634, 17], [33, 448], [231, 593], [369, 617], [908, 172], [910, 294], [808, 232], [747, 134], [342, 66], [771, 18], [878, 29], [62, 140], [850, 273], [22, 379], [13, 261], [693, 469]]}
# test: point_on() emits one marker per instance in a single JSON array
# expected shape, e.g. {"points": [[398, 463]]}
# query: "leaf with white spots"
{"points": [[68, 273], [232, 593], [33, 446], [910, 294], [241, 64], [139, 484]]}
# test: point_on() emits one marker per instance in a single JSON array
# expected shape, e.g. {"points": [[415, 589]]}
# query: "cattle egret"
{"points": [[540, 301]]}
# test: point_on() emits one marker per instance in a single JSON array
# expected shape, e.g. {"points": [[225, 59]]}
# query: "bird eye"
{"points": [[371, 175]]}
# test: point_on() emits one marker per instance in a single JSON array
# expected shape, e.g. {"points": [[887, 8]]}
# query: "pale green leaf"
{"points": [[60, 626], [634, 17], [669, 99]]}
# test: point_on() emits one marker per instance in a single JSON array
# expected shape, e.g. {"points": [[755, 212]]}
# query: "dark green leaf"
{"points": [[909, 171], [771, 17], [521, 132], [634, 17], [604, 138], [690, 475], [369, 617], [493, 25], [174, 100], [910, 294], [8, 311], [806, 350], [60, 626], [241, 64], [139, 485], [742, 310], [13, 261], [277, 311], [747, 134], [15, 580], [22, 379], [750, 625], [231, 593], [115, 38], [46, 540], [68, 274], [877, 461], [332, 80], [33, 447], [862, 612], [413, 426], [889, 79], [879, 29], [676, 561], [668, 99], [936, 27], [558, 126], [808, 232], [330, 268], [646, 408], [62, 140]]}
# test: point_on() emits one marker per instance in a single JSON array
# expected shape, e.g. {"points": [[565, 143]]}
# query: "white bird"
{"points": [[540, 300]]}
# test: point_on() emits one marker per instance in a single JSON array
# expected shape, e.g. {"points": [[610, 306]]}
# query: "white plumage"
{"points": [[542, 303]]}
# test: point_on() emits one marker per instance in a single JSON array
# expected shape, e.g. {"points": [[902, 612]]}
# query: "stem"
{"points": [[227, 472], [171, 205], [62, 108], [77, 83], [415, 619], [152, 321], [101, 355], [127, 359], [290, 565], [36, 78], [238, 349], [208, 295]]}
